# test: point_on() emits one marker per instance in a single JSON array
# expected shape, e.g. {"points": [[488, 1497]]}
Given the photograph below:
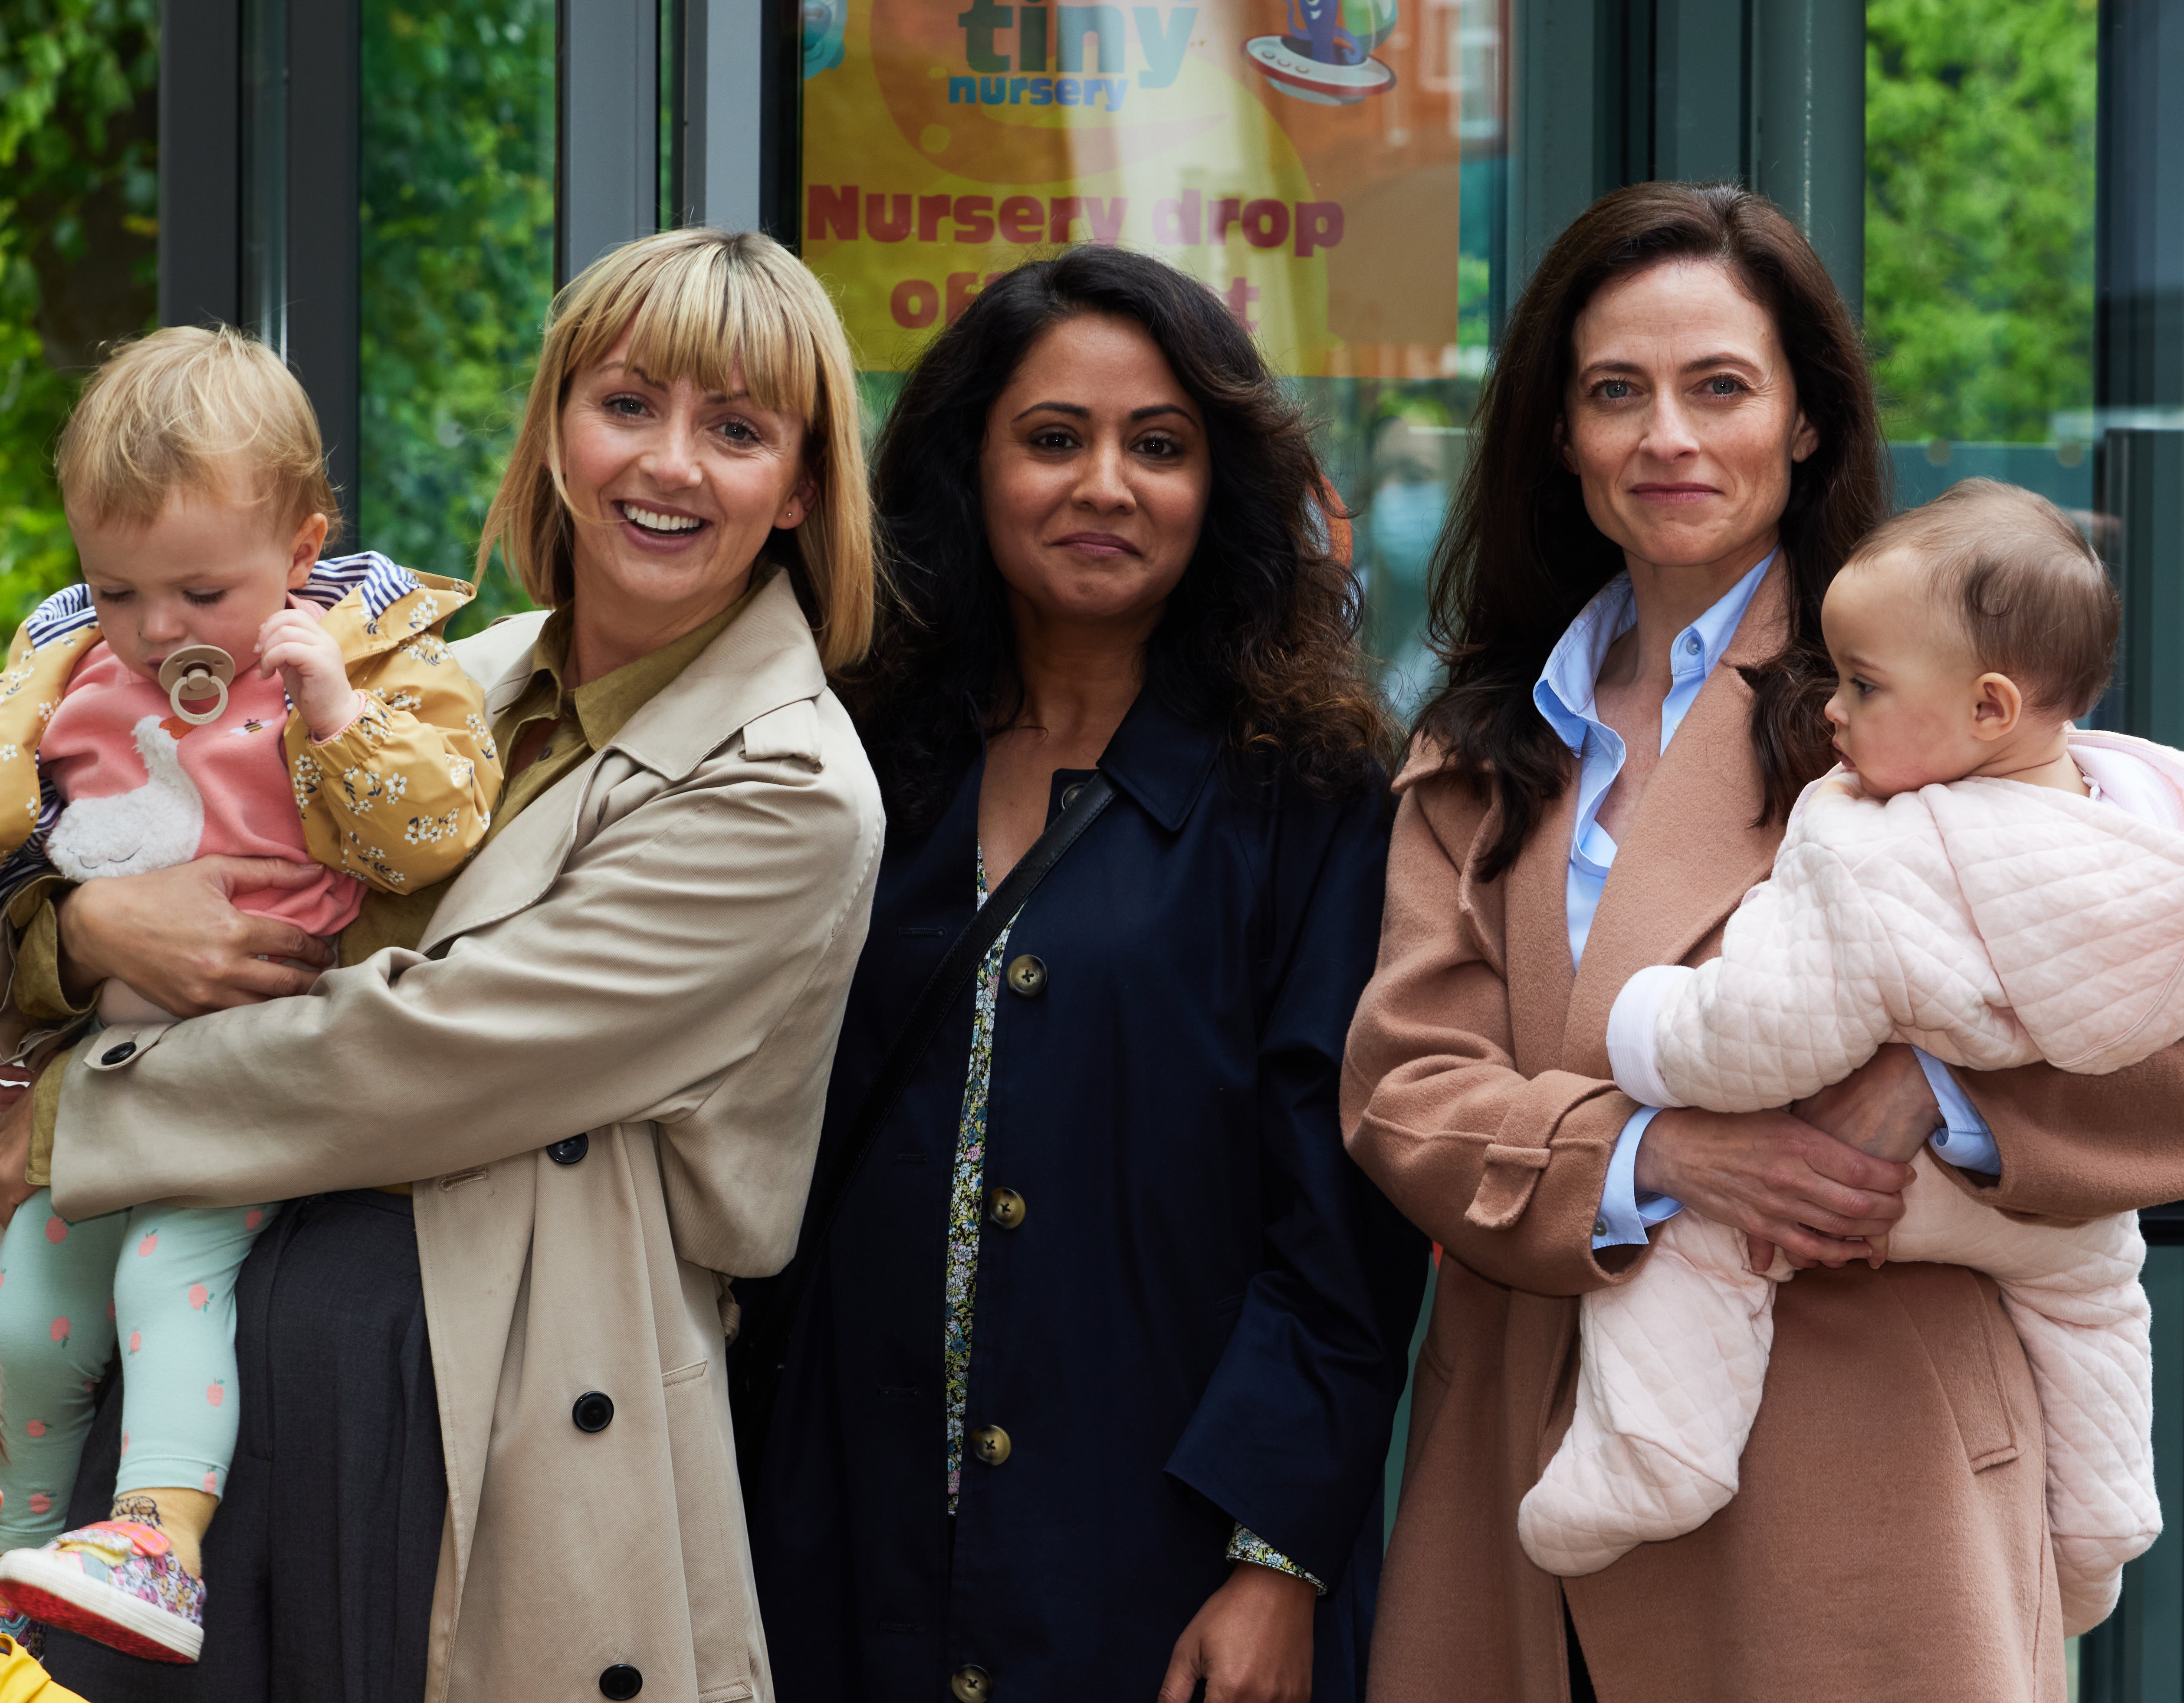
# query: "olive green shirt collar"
{"points": [[604, 706]]}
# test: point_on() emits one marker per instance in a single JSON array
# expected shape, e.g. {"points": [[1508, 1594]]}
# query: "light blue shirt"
{"points": [[1965, 1141], [1564, 695]]}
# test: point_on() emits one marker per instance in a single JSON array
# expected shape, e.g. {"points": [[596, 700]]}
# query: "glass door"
{"points": [[456, 262]]}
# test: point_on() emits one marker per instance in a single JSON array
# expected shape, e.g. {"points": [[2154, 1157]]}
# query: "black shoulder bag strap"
{"points": [[762, 1357]]}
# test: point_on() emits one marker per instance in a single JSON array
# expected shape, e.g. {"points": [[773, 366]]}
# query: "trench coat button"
{"points": [[990, 1443], [115, 1055], [1006, 1207], [594, 1411], [972, 1684], [620, 1682], [1069, 794], [569, 1151], [1027, 977]]}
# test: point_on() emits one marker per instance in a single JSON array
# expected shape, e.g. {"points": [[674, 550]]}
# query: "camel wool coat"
{"points": [[656, 954], [1889, 1540]]}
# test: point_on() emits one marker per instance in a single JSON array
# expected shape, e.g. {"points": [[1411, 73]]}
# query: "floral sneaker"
{"points": [[116, 1581]]}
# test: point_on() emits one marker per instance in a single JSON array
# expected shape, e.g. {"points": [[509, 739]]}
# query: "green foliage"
{"points": [[1475, 281], [1979, 226], [79, 207], [457, 268]]}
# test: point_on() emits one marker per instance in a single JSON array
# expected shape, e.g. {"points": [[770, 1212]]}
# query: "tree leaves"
{"points": [[458, 267], [1979, 226], [79, 223]]}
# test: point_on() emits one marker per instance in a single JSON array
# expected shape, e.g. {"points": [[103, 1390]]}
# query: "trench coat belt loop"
{"points": [[1505, 1186]]}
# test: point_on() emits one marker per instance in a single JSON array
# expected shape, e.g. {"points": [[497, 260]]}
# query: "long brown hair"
{"points": [[1259, 638], [1520, 556]]}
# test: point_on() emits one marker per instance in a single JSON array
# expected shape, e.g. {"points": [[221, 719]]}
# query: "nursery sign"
{"points": [[1300, 157]]}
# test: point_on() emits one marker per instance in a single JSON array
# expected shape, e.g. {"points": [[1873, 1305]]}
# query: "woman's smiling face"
{"points": [[1094, 475], [675, 490], [1681, 420]]}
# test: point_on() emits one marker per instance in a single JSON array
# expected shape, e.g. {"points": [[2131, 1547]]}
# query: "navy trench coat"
{"points": [[1201, 1315]]}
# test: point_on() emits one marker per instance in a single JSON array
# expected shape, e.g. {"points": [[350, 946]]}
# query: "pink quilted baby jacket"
{"points": [[1991, 923]]}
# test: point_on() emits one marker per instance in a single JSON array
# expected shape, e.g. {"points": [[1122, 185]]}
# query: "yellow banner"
{"points": [[1300, 157]]}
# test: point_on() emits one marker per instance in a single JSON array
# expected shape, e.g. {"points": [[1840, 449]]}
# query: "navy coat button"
{"points": [[1006, 1207], [972, 1684], [1027, 977], [569, 1151], [115, 1055], [594, 1411], [1069, 793], [620, 1682], [990, 1443]]}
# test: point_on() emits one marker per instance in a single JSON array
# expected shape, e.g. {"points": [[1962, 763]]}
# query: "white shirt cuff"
{"points": [[1966, 1143], [1634, 1053], [1625, 1215]]}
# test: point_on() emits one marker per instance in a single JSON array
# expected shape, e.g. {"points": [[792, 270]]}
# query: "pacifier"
{"points": [[197, 671]]}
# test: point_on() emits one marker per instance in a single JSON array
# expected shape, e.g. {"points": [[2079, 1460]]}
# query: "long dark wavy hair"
{"points": [[1519, 556], [1259, 637]]}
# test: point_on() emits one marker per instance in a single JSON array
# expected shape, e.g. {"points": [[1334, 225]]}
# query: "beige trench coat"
{"points": [[656, 952], [1889, 1540]]}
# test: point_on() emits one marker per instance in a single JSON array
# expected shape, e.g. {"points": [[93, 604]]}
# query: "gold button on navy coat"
{"points": [[1204, 1320]]}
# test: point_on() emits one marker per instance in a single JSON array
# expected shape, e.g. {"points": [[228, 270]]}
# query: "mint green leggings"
{"points": [[160, 1279]]}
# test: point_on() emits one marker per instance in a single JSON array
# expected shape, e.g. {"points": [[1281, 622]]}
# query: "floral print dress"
{"points": [[965, 1201], [964, 1197]]}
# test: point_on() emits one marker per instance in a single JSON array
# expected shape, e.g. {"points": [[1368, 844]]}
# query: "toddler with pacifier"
{"points": [[1978, 878], [212, 688]]}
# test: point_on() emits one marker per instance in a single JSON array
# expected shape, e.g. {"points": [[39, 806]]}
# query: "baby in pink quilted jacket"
{"points": [[1977, 879]]}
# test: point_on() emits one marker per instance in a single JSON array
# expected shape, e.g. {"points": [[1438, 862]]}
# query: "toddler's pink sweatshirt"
{"points": [[236, 765]]}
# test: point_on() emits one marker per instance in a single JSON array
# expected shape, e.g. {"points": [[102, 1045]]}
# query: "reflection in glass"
{"points": [[265, 171], [1397, 438], [457, 267], [1979, 240]]}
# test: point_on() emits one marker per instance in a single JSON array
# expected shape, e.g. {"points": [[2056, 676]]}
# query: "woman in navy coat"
{"points": [[1089, 1386]]}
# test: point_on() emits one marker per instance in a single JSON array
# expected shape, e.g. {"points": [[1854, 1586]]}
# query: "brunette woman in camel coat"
{"points": [[1679, 447]]}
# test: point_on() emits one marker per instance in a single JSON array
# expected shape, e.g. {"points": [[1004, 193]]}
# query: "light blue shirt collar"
{"points": [[1564, 695], [1565, 692]]}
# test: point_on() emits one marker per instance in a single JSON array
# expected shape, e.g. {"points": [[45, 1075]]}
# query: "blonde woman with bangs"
{"points": [[542, 1114]]}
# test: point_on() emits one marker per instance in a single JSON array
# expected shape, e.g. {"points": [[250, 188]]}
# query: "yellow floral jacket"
{"points": [[398, 798], [23, 1680]]}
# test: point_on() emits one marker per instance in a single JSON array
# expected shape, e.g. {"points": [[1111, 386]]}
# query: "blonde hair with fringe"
{"points": [[196, 410], [698, 304]]}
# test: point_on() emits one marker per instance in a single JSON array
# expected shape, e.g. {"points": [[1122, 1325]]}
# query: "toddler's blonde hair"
{"points": [[697, 302], [198, 411], [2030, 592]]}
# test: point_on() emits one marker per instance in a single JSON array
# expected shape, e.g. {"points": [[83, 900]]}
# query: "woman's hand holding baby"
{"points": [[1776, 1177], [310, 661], [176, 936]]}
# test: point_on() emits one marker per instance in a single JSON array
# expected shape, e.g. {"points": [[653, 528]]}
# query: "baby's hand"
{"points": [[311, 666]]}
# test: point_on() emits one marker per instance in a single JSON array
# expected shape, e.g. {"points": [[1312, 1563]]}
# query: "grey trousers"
{"points": [[319, 1567]]}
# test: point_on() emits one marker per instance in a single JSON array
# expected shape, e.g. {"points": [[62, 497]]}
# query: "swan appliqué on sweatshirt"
{"points": [[155, 827]]}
